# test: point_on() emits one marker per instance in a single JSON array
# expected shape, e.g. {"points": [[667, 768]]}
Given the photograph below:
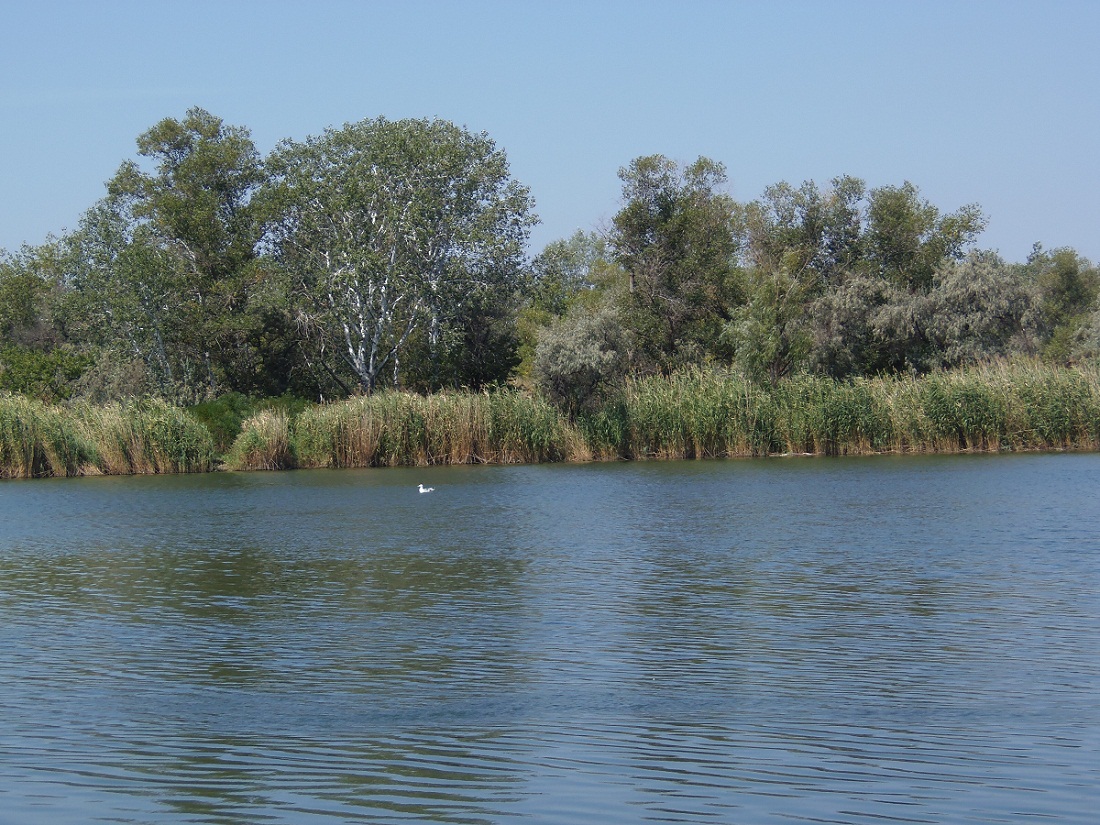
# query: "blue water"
{"points": [[861, 640]]}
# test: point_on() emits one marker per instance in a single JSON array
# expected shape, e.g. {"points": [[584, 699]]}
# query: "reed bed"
{"points": [[696, 414], [1008, 406], [264, 443], [144, 437], [699, 414], [40, 440], [394, 428], [37, 440]]}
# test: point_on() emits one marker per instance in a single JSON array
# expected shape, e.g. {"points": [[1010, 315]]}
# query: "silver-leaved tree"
{"points": [[393, 229]]}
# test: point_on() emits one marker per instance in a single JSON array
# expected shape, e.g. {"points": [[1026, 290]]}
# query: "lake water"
{"points": [[871, 640]]}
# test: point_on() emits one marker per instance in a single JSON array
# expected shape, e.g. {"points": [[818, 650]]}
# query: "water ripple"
{"points": [[820, 642]]}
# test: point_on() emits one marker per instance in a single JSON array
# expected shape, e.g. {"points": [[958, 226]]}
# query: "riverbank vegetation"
{"points": [[363, 298], [695, 414], [148, 436]]}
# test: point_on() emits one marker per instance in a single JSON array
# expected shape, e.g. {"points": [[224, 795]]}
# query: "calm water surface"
{"points": [[908, 640]]}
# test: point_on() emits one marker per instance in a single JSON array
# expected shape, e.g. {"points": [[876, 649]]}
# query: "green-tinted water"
{"points": [[913, 640]]}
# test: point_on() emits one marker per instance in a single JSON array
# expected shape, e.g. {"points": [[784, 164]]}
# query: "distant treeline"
{"points": [[694, 414], [391, 255]]}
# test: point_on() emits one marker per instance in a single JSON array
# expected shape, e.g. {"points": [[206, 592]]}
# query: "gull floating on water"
{"points": [[424, 489]]}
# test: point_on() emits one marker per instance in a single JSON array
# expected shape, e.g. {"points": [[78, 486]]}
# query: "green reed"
{"points": [[1021, 405], [695, 414], [37, 439], [396, 428], [150, 436], [264, 443], [145, 436]]}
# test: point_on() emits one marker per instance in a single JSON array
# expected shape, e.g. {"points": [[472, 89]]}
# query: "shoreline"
{"points": [[995, 409]]}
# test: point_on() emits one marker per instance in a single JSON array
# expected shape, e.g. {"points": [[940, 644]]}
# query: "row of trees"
{"points": [[385, 251], [842, 280], [392, 253]]}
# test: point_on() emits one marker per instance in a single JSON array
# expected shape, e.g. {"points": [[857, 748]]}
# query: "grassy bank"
{"points": [[390, 428], [147, 436], [1019, 406], [696, 414]]}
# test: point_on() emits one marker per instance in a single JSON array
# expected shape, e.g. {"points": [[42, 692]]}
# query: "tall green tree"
{"points": [[191, 199], [907, 238], [37, 356], [389, 228], [796, 245], [21, 295], [813, 234], [570, 275], [674, 237], [124, 297], [569, 269], [839, 278], [1066, 287], [581, 357]]}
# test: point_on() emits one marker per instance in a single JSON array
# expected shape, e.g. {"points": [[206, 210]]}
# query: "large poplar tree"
{"points": [[395, 228]]}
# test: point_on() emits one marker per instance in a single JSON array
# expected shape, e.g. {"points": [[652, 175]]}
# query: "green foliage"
{"points": [[165, 266], [977, 311], [1019, 405], [768, 333], [581, 357], [568, 276], [826, 417], [567, 270], [675, 239], [848, 325], [477, 348], [390, 227], [224, 417], [391, 254], [906, 238], [198, 197], [855, 282], [605, 430], [1066, 288], [21, 294], [813, 235], [50, 375]]}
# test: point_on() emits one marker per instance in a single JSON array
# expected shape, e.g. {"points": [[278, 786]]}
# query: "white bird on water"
{"points": [[424, 489]]}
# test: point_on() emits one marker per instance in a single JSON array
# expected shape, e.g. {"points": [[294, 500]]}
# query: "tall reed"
{"points": [[1024, 405], [697, 414], [144, 436], [263, 444], [38, 440], [396, 428], [149, 436]]}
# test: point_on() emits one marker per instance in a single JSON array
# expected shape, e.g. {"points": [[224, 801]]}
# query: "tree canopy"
{"points": [[393, 253], [389, 228]]}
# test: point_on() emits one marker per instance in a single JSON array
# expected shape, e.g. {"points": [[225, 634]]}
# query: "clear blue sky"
{"points": [[988, 101]]}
